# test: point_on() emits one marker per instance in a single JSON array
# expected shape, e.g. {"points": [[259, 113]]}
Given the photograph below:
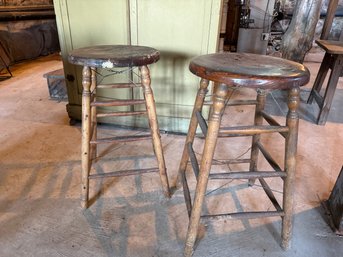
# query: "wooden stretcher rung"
{"points": [[247, 175], [244, 215], [202, 122], [186, 193], [251, 130], [273, 122], [92, 127], [270, 194], [114, 114], [119, 85], [118, 102], [230, 161], [235, 102], [120, 139], [269, 119], [318, 98], [121, 173], [193, 158], [268, 157]]}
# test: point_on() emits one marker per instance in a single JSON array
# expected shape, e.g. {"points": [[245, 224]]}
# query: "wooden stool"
{"points": [[333, 59], [110, 57], [263, 73]]}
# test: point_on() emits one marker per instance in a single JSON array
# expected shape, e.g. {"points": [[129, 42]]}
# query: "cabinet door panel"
{"points": [[98, 22], [180, 30], [85, 23]]}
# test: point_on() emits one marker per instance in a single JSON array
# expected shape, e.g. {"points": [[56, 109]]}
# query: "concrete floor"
{"points": [[40, 212]]}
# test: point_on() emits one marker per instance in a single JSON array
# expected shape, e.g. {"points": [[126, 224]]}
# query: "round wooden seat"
{"points": [[110, 56], [250, 70]]}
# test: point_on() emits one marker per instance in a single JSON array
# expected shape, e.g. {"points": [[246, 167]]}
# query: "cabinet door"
{"points": [[85, 23], [180, 30]]}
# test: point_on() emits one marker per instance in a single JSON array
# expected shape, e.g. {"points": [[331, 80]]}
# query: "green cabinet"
{"points": [[179, 29]]}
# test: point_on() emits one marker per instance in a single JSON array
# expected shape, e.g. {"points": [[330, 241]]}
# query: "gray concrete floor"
{"points": [[40, 212]]}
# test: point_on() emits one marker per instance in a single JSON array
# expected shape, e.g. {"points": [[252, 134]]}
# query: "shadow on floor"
{"points": [[129, 222], [311, 237], [277, 105]]}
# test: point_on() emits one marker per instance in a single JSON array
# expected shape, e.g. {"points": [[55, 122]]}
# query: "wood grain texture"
{"points": [[297, 40], [110, 56], [250, 70], [332, 47]]}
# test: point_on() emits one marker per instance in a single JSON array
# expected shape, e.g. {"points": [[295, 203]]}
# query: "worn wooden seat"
{"points": [[111, 57], [333, 59], [262, 73]]}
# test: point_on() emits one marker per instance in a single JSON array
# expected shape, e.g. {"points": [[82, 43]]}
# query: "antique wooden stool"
{"points": [[333, 59], [110, 57], [262, 73]]}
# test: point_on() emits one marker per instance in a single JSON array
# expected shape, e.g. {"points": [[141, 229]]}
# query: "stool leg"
{"points": [[290, 166], [318, 83], [261, 101], [330, 89], [219, 101], [156, 138], [86, 124], [93, 114], [199, 102]]}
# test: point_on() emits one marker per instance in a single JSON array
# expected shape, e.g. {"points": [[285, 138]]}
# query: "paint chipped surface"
{"points": [[107, 65]]}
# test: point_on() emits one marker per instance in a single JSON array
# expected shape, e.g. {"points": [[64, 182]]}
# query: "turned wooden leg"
{"points": [[218, 107], [330, 89], [156, 138], [261, 101], [318, 83], [93, 114], [290, 166], [199, 102], [85, 140]]}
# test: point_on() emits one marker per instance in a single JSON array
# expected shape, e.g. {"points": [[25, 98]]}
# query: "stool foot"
{"points": [[188, 251], [84, 194], [285, 244], [84, 204]]}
